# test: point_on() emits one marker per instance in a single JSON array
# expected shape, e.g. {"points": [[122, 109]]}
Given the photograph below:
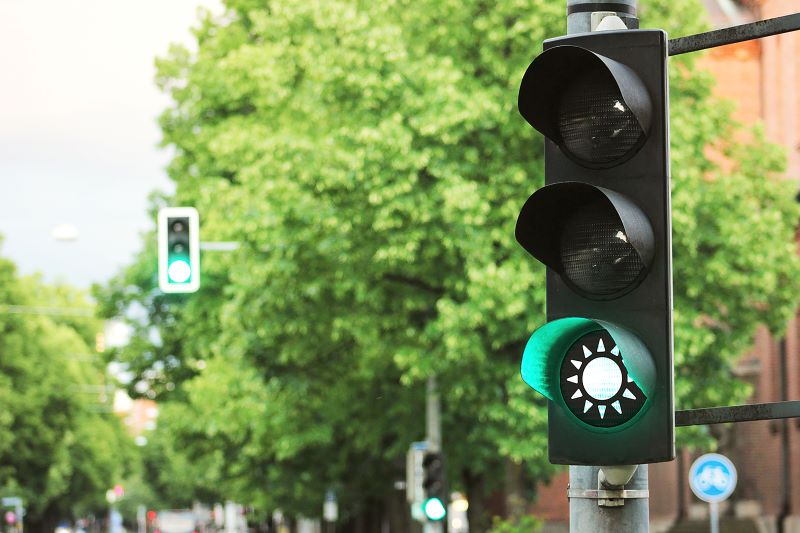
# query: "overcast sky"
{"points": [[78, 132]]}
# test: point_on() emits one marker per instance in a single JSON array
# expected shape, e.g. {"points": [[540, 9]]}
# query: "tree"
{"points": [[59, 450], [370, 159]]}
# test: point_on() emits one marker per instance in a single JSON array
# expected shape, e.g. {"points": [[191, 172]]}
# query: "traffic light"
{"points": [[601, 224], [434, 483], [178, 249]]}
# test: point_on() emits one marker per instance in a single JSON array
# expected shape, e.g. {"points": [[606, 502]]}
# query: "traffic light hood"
{"points": [[547, 347], [541, 223], [553, 72]]}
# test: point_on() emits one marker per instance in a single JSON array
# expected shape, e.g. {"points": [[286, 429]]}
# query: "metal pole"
{"points": [[433, 420], [579, 13], [713, 512], [786, 478], [585, 515], [141, 519], [433, 436]]}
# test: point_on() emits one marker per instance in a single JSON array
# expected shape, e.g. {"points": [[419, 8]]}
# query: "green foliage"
{"points": [[59, 450], [521, 524], [370, 159]]}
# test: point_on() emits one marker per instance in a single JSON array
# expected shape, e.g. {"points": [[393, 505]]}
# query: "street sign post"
{"points": [[19, 510], [415, 493], [712, 478]]}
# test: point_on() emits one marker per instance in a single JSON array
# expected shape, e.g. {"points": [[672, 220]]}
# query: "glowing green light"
{"points": [[602, 378], [434, 509], [541, 360], [179, 271]]}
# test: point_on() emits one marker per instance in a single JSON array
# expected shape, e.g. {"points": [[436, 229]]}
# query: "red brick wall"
{"points": [[552, 504], [737, 70], [663, 484]]}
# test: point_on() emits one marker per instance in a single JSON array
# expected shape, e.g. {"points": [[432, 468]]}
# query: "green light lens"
{"points": [[434, 509], [595, 383], [179, 271], [544, 355]]}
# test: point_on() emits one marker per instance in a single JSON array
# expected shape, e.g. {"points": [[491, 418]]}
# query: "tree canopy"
{"points": [[61, 448], [370, 160]]}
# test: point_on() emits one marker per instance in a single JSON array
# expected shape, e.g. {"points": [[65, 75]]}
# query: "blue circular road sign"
{"points": [[712, 477]]}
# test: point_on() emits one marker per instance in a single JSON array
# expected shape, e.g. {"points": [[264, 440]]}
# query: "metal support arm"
{"points": [[734, 34], [738, 413]]}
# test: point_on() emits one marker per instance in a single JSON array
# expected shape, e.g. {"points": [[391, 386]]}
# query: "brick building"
{"points": [[763, 78]]}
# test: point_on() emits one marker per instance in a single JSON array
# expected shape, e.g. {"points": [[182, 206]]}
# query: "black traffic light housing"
{"points": [[602, 226], [434, 483], [178, 250]]}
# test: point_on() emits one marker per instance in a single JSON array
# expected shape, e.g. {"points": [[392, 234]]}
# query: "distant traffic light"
{"points": [[434, 484], [601, 224], [178, 249]]}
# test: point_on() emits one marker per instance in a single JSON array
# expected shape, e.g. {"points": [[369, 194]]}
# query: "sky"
{"points": [[78, 129]]}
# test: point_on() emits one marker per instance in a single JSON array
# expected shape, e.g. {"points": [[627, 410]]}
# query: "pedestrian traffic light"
{"points": [[434, 483], [601, 224], [178, 249]]}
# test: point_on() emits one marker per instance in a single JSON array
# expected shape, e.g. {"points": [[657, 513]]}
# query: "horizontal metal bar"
{"points": [[219, 246], [734, 34], [38, 310], [738, 413], [596, 494]]}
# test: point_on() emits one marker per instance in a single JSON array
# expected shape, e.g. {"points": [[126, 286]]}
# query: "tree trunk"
{"points": [[514, 490], [45, 522], [397, 512], [476, 513]]}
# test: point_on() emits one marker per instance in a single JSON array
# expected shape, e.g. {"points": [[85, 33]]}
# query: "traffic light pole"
{"points": [[595, 509], [433, 436], [588, 512], [584, 15], [433, 419]]}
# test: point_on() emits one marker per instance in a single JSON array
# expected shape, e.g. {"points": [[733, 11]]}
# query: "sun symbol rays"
{"points": [[601, 378]]}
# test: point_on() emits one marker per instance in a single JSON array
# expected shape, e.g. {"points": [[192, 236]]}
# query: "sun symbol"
{"points": [[595, 383]]}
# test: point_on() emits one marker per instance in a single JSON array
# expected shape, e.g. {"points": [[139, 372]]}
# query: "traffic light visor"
{"points": [[597, 240], [601, 372], [594, 108]]}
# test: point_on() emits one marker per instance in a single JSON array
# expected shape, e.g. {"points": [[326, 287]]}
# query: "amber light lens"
{"points": [[596, 256]]}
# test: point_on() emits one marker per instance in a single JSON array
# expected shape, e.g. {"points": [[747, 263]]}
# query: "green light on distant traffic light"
{"points": [[434, 509], [179, 271]]}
